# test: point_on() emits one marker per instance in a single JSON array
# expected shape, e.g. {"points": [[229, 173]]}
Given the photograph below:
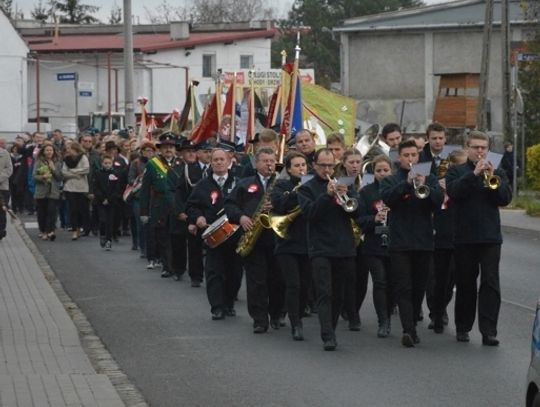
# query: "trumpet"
{"points": [[348, 204], [420, 191], [491, 181]]}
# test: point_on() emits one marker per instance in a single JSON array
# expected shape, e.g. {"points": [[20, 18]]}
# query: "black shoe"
{"points": [[195, 283], [274, 323], [166, 274], [330, 345], [490, 340], [230, 312], [177, 277], [259, 329], [108, 245], [102, 242], [407, 340], [354, 326], [438, 326], [431, 324], [462, 337], [382, 331], [2, 234], [298, 333], [218, 314]]}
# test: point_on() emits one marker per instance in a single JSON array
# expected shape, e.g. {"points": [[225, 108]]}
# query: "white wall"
{"points": [[13, 103], [163, 85]]}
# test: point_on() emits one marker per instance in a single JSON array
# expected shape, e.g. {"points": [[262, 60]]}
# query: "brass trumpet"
{"points": [[491, 181], [348, 204], [420, 191]]}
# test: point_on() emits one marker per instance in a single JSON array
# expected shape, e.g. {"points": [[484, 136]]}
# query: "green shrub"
{"points": [[533, 166]]}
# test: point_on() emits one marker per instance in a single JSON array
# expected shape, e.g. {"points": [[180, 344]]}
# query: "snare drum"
{"points": [[218, 232]]}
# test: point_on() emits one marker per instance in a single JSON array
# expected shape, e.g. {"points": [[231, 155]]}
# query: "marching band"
{"points": [[309, 230]]}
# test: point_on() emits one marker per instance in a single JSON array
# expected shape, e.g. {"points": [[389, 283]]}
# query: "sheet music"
{"points": [[421, 168], [495, 159], [367, 179]]}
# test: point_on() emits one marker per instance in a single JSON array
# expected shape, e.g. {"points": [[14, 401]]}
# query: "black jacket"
{"points": [[329, 230], [477, 218], [410, 218], [107, 185], [443, 222], [191, 174], [207, 199], [369, 203], [244, 200], [284, 200]]}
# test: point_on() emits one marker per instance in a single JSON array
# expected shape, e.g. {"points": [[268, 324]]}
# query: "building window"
{"points": [[208, 65], [246, 61]]}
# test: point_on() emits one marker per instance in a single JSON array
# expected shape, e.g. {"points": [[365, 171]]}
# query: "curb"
{"points": [[100, 358]]}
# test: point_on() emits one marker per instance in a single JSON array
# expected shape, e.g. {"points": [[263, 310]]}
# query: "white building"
{"points": [[392, 62], [167, 57], [13, 84]]}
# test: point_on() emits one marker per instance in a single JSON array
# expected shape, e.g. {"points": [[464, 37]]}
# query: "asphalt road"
{"points": [[160, 333]]}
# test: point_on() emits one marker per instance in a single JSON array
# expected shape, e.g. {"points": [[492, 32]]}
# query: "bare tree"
{"points": [[7, 7], [115, 17], [40, 12], [166, 12]]}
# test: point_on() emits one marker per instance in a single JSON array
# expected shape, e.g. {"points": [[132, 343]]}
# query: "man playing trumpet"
{"points": [[477, 190]]}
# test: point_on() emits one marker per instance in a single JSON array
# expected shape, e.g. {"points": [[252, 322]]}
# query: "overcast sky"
{"points": [[139, 6]]}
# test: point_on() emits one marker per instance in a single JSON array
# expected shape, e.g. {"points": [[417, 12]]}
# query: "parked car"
{"points": [[533, 376]]}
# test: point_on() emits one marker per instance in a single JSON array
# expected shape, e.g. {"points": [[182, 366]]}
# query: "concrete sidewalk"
{"points": [[512, 219], [42, 360]]}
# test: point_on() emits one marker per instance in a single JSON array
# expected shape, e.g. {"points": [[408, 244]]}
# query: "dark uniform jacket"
{"points": [[477, 218], [174, 176], [191, 174], [207, 199], [410, 218], [284, 200], [107, 186], [329, 230], [156, 197], [244, 200], [369, 204]]}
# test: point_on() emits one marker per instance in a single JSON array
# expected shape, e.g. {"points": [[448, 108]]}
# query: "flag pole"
{"points": [[282, 102], [218, 96], [297, 50], [192, 105], [252, 103], [233, 115]]}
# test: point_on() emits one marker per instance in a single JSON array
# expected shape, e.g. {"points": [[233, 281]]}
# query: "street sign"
{"points": [[265, 79], [85, 93], [67, 76], [528, 57]]}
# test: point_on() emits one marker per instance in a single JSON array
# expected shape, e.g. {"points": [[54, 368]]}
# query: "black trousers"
{"points": [[265, 288], [178, 253], [296, 271], [442, 284], [379, 268], [355, 290], [106, 220], [5, 199], [472, 260], [17, 197], [46, 214], [408, 276], [79, 214], [158, 244], [195, 257], [222, 264], [329, 276]]}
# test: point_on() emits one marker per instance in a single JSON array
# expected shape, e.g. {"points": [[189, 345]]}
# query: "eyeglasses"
{"points": [[325, 165]]}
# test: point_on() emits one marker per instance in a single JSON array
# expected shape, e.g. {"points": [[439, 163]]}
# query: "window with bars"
{"points": [[209, 65], [246, 61]]}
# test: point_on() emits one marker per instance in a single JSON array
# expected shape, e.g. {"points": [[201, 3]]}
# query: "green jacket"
{"points": [[156, 195]]}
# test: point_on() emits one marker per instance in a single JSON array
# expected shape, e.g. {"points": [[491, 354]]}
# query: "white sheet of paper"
{"points": [[495, 159], [448, 148], [348, 181], [367, 179], [393, 155], [306, 178], [421, 168]]}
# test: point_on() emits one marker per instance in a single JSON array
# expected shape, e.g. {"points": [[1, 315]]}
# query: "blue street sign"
{"points": [[528, 57], [86, 93], [68, 76]]}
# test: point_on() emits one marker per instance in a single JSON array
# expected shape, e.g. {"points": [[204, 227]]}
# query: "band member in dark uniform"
{"points": [[411, 235], [291, 251], [193, 173], [157, 200], [250, 198], [267, 138], [305, 144], [477, 194], [375, 258], [204, 207], [331, 245]]}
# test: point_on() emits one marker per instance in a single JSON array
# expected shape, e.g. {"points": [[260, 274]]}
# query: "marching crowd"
{"points": [[307, 227]]}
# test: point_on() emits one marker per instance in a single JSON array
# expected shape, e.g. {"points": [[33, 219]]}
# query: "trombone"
{"points": [[348, 204], [420, 191]]}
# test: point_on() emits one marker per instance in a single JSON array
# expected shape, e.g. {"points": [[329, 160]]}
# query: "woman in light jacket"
{"points": [[47, 175], [75, 170]]}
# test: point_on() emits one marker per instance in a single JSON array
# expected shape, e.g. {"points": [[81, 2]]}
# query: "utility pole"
{"points": [[481, 112], [129, 108], [505, 71]]}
